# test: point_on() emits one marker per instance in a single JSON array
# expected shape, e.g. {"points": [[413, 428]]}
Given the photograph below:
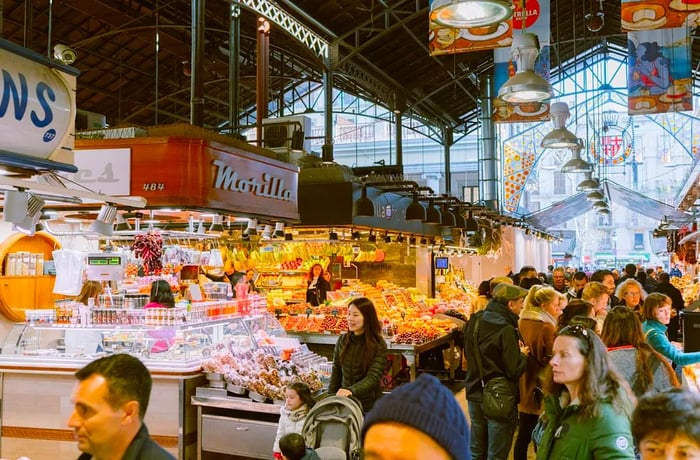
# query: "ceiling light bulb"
{"points": [[461, 14], [526, 85]]}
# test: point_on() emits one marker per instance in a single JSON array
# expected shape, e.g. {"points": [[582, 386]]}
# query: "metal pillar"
{"points": [[196, 79], [399, 107], [447, 144], [262, 77], [234, 69], [327, 149], [488, 159]]}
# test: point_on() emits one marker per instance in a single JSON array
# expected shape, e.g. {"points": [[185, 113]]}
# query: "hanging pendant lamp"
{"points": [[559, 137], [526, 85], [462, 14], [595, 195], [589, 183], [576, 164]]}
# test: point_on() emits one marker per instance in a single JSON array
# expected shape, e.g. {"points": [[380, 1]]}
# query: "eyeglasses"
{"points": [[632, 294]]}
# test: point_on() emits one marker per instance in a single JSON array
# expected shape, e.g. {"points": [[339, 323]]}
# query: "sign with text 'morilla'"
{"points": [[178, 172]]}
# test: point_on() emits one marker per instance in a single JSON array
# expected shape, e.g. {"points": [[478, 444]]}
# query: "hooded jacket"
{"points": [[499, 348], [538, 329], [348, 373], [291, 421], [567, 436]]}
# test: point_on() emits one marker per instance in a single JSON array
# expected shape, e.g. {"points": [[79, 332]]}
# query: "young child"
{"points": [[298, 401], [293, 448]]}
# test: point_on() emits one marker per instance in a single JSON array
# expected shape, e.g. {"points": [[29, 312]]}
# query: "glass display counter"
{"points": [[37, 363]]}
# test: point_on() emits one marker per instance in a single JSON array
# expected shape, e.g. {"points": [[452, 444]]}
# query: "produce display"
{"points": [[688, 286]]}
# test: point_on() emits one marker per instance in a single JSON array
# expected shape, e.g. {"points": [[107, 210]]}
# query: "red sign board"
{"points": [[199, 174]]}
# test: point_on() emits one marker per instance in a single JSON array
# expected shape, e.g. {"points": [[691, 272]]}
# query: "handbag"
{"points": [[500, 395]]}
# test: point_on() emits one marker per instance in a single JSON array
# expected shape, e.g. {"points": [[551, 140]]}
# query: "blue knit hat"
{"points": [[428, 406]]}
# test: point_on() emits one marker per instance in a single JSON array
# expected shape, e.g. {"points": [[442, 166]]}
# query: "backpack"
{"points": [[333, 426]]}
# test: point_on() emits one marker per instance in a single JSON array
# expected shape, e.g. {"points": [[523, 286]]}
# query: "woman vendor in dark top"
{"points": [[359, 356], [317, 286]]}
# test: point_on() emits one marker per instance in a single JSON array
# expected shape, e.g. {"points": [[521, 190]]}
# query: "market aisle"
{"points": [[462, 400]]}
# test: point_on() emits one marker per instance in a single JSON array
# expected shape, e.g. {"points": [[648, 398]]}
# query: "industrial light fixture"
{"points": [[288, 236], [333, 235], [576, 164], [460, 221], [122, 224], [472, 225], [355, 235], [23, 209], [217, 223], [267, 232], [448, 219], [432, 214], [387, 238], [423, 241], [372, 238], [415, 211], [252, 228], [603, 211], [104, 223], [600, 204], [400, 238], [279, 230], [595, 195], [363, 206], [559, 137], [461, 14], [589, 183], [526, 85]]}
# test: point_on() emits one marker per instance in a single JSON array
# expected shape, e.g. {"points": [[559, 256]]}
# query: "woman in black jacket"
{"points": [[359, 357], [317, 286]]}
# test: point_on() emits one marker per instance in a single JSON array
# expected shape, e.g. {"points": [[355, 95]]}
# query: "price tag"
{"points": [[308, 312], [278, 312], [334, 312]]}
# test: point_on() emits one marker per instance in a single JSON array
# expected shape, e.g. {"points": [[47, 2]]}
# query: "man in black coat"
{"points": [[664, 286], [502, 354]]}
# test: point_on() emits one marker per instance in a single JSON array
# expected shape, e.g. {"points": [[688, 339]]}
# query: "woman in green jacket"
{"points": [[359, 357], [588, 404]]}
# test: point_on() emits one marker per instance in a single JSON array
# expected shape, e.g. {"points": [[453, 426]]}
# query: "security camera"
{"points": [[64, 54]]}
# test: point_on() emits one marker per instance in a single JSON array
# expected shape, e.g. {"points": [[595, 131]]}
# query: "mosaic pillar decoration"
{"points": [[517, 164]]}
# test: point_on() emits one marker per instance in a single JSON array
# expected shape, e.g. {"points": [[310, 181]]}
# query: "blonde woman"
{"points": [[597, 294], [538, 326], [631, 294]]}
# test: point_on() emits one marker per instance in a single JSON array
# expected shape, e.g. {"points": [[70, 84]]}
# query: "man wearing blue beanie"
{"points": [[417, 421]]}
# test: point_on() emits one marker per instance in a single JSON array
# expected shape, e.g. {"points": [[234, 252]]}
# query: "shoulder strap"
{"points": [[477, 352]]}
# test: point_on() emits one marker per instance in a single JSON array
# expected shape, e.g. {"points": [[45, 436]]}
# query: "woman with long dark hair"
{"points": [[161, 295], [359, 357], [643, 367], [587, 404], [316, 286]]}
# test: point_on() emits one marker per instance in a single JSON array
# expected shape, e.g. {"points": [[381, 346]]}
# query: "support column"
{"points": [[488, 157], [327, 149], [234, 70], [196, 79], [399, 107], [447, 144], [262, 77]]}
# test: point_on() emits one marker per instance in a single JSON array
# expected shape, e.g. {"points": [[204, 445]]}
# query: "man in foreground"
{"points": [[110, 401]]}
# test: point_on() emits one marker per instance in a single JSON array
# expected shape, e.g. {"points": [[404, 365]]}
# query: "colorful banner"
{"points": [[659, 74], [639, 15]]}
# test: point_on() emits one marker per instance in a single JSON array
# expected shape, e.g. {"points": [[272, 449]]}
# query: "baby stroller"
{"points": [[332, 428]]}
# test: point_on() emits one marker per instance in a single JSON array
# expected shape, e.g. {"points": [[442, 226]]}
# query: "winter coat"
{"points": [[317, 295], [567, 436], [498, 344], [538, 329], [310, 455], [625, 361], [349, 373], [141, 447], [655, 333], [291, 421]]}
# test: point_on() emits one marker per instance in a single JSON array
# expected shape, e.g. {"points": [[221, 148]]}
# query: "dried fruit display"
{"points": [[149, 247]]}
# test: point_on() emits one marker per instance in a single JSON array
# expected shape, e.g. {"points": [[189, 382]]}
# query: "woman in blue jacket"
{"points": [[657, 314], [588, 404]]}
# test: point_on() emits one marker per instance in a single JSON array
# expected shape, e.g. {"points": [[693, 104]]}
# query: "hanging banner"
{"points": [[659, 71], [639, 15], [446, 40], [517, 164], [536, 20]]}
